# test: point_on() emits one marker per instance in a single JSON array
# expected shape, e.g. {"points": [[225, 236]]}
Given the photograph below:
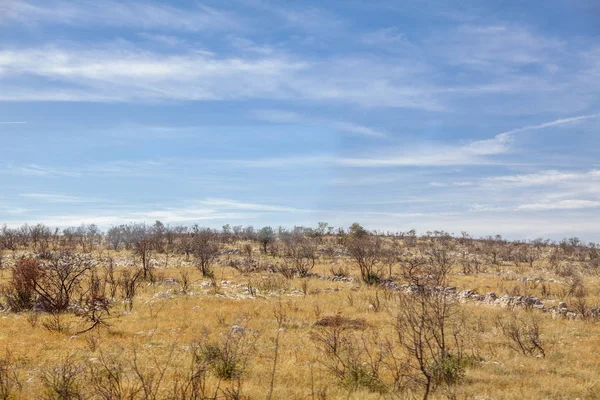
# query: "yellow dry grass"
{"points": [[164, 321]]}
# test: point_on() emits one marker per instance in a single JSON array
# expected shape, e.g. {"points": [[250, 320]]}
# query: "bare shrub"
{"points": [[151, 375], [366, 251], [524, 334], [109, 380], [60, 280], [185, 282], [10, 383], [110, 278], [355, 360], [190, 382], [270, 283], [63, 381], [129, 283], [20, 293], [301, 253], [429, 328]]}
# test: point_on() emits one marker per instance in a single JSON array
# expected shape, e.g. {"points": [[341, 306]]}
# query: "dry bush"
{"points": [[524, 334], [60, 280], [338, 321], [20, 293], [355, 360], [128, 283], [270, 284], [301, 253], [10, 383], [367, 251], [185, 282], [64, 381], [109, 379]]}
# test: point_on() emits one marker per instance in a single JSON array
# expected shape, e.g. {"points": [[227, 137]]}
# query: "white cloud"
{"points": [[132, 74], [291, 117], [54, 198], [128, 14], [473, 153], [560, 205], [12, 122], [236, 205], [557, 122], [36, 170], [550, 177], [385, 37]]}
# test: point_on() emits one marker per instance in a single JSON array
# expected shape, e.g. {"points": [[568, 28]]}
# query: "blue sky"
{"points": [[478, 116]]}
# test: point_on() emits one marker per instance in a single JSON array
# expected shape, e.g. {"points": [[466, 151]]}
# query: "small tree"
{"points": [[266, 236], [206, 249], [142, 241], [60, 278], [366, 251], [301, 252]]}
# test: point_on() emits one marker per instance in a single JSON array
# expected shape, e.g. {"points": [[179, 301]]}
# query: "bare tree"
{"points": [[140, 237], [60, 280], [205, 249], [8, 238], [366, 251], [301, 252]]}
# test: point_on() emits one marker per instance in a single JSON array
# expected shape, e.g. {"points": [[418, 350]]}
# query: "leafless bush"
{"points": [[10, 383], [228, 358], [129, 283], [60, 280], [366, 251], [110, 279], [190, 382], [524, 334], [285, 270], [64, 381], [185, 282], [94, 308], [340, 271], [20, 293], [270, 283], [108, 378], [429, 328], [151, 377], [355, 360], [55, 322], [301, 252]]}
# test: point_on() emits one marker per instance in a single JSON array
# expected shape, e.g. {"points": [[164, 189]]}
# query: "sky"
{"points": [[477, 116]]}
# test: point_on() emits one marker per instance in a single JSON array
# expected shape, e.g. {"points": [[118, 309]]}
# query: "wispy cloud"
{"points": [[129, 74], [560, 205], [291, 117], [551, 177], [236, 205], [12, 122], [476, 152], [37, 170], [204, 211], [557, 122], [130, 14], [54, 198]]}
